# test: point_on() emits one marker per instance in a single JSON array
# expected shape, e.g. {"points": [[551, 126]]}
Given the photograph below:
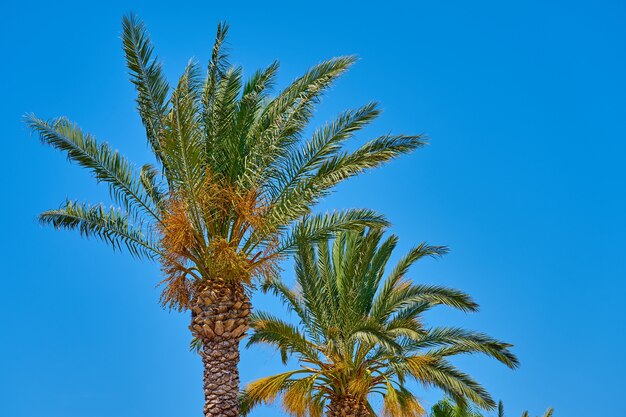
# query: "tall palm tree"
{"points": [[360, 334], [230, 191]]}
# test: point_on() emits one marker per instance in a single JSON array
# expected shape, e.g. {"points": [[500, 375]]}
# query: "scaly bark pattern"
{"points": [[347, 406], [220, 318]]}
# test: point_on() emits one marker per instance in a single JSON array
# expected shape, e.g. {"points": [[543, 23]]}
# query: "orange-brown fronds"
{"points": [[177, 236], [206, 231]]}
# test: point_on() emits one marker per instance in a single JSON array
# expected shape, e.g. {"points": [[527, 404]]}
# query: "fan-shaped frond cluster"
{"points": [[361, 333]]}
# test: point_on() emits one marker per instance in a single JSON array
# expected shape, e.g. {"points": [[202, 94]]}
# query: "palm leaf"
{"points": [[147, 76], [110, 226], [106, 164]]}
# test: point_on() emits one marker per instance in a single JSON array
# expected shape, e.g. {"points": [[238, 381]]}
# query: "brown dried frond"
{"points": [[176, 228], [244, 211], [178, 292], [177, 236]]}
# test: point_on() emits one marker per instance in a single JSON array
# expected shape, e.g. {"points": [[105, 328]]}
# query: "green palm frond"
{"points": [[231, 145], [182, 149], [218, 65], [284, 117], [325, 142], [284, 336], [296, 200], [110, 226], [455, 341], [148, 175], [436, 371], [389, 296], [318, 227], [106, 164], [147, 75]]}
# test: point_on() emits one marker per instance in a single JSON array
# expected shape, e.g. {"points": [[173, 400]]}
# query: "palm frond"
{"points": [[182, 146], [148, 177], [458, 341], [106, 164], [382, 305], [271, 330], [298, 398], [430, 370], [286, 115], [147, 75], [264, 390], [308, 190], [400, 403], [110, 226], [325, 142], [319, 227]]}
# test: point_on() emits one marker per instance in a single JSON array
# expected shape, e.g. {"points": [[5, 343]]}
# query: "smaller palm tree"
{"points": [[448, 408], [360, 334]]}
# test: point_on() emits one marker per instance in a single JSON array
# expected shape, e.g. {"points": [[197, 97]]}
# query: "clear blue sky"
{"points": [[525, 103]]}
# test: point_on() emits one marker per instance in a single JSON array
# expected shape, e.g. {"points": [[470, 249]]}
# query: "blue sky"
{"points": [[524, 180]]}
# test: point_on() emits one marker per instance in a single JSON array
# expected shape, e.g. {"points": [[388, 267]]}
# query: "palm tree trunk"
{"points": [[347, 406], [220, 318]]}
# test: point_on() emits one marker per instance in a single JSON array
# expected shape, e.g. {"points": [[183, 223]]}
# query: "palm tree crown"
{"points": [[362, 334], [231, 189], [233, 172]]}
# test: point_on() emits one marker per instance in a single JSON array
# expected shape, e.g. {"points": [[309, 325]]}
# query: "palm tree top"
{"points": [[448, 408], [361, 332], [235, 178]]}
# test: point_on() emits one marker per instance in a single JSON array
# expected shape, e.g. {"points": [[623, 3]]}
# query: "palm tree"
{"points": [[360, 334], [447, 408], [230, 191]]}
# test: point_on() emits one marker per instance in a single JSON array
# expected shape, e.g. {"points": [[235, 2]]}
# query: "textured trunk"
{"points": [[220, 318], [347, 406]]}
